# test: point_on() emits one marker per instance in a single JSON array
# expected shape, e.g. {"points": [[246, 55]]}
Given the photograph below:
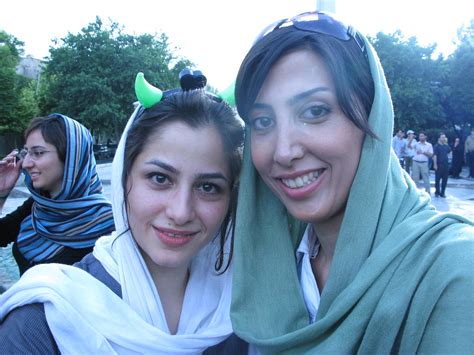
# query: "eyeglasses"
{"points": [[317, 22], [35, 154]]}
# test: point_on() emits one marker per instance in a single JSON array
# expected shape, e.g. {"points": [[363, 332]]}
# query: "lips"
{"points": [[174, 238], [34, 175]]}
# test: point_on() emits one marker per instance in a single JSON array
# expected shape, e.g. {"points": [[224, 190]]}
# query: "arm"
{"points": [[10, 224], [9, 173], [25, 331], [429, 152]]}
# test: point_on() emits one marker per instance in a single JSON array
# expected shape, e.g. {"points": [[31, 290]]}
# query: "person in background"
{"points": [[441, 165], [458, 158], [424, 151], [67, 210], [161, 284], [469, 153], [410, 152], [336, 250], [398, 145]]}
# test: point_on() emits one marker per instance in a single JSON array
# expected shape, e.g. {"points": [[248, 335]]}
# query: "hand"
{"points": [[435, 167], [10, 170]]}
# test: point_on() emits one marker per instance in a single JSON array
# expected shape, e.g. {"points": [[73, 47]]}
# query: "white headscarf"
{"points": [[85, 316]]}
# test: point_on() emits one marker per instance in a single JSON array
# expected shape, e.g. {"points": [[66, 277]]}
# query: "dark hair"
{"points": [[346, 63], [53, 131], [195, 108]]}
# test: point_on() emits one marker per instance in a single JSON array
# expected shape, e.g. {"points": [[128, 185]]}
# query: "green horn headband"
{"points": [[228, 94], [146, 93]]}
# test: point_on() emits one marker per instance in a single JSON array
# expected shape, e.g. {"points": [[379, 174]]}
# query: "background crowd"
{"points": [[447, 159]]}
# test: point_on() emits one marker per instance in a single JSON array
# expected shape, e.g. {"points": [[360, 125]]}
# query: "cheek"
{"points": [[261, 154], [213, 215]]}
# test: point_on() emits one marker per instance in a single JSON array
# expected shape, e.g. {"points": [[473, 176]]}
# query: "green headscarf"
{"points": [[402, 273]]}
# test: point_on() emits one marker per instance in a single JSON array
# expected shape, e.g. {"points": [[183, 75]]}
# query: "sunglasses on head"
{"points": [[317, 22]]}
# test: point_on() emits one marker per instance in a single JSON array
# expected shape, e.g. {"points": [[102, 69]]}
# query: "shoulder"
{"points": [[452, 255], [25, 330], [443, 300], [458, 238], [93, 266]]}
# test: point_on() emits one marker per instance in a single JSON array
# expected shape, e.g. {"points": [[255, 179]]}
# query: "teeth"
{"points": [[176, 235], [301, 181]]}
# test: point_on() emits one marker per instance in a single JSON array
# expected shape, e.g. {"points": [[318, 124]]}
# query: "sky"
{"points": [[216, 35]]}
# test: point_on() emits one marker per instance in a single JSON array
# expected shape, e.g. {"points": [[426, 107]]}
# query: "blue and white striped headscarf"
{"points": [[79, 214]]}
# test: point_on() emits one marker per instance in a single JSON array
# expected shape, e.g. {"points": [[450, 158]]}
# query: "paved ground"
{"points": [[459, 199]]}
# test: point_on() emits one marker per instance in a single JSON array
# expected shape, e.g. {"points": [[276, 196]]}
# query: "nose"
{"points": [[180, 209], [27, 162], [288, 146]]}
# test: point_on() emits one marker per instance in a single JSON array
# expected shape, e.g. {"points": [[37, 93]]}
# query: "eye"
{"points": [[261, 123], [315, 112], [37, 154], [159, 179], [209, 188]]}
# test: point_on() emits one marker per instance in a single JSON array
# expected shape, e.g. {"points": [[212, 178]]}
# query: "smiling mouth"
{"points": [[302, 180], [176, 235]]}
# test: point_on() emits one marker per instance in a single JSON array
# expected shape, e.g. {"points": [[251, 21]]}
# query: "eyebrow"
{"points": [[211, 176], [34, 147], [293, 100], [202, 176]]}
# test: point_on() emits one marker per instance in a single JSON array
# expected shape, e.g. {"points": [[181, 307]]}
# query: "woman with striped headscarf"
{"points": [[67, 210]]}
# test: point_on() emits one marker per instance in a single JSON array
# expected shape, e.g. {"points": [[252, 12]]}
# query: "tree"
{"points": [[459, 102], [90, 75], [412, 76], [10, 49]]}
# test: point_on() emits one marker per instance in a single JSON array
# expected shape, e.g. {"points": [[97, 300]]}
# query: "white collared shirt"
{"points": [[307, 250]]}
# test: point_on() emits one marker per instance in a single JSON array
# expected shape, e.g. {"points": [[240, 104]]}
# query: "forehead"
{"points": [[35, 138], [295, 72], [186, 147]]}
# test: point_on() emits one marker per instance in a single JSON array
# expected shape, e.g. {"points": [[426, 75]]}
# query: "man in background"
{"points": [[424, 151], [410, 151], [441, 165], [398, 145], [469, 153]]}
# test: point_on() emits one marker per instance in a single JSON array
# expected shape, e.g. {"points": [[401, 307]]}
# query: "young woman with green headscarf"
{"points": [[336, 249]]}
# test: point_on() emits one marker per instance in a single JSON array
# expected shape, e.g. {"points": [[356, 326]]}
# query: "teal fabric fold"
{"points": [[401, 272]]}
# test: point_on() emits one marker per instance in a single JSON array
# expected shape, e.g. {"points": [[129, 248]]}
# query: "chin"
{"points": [[171, 263]]}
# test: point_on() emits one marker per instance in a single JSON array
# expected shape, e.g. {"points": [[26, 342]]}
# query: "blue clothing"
{"points": [[398, 146]]}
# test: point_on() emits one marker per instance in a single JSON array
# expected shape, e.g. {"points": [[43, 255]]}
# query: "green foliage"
{"points": [[27, 107], [412, 76], [90, 75], [10, 49], [460, 79]]}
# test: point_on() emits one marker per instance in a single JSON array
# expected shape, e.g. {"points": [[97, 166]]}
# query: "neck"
{"points": [[327, 233], [171, 286]]}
